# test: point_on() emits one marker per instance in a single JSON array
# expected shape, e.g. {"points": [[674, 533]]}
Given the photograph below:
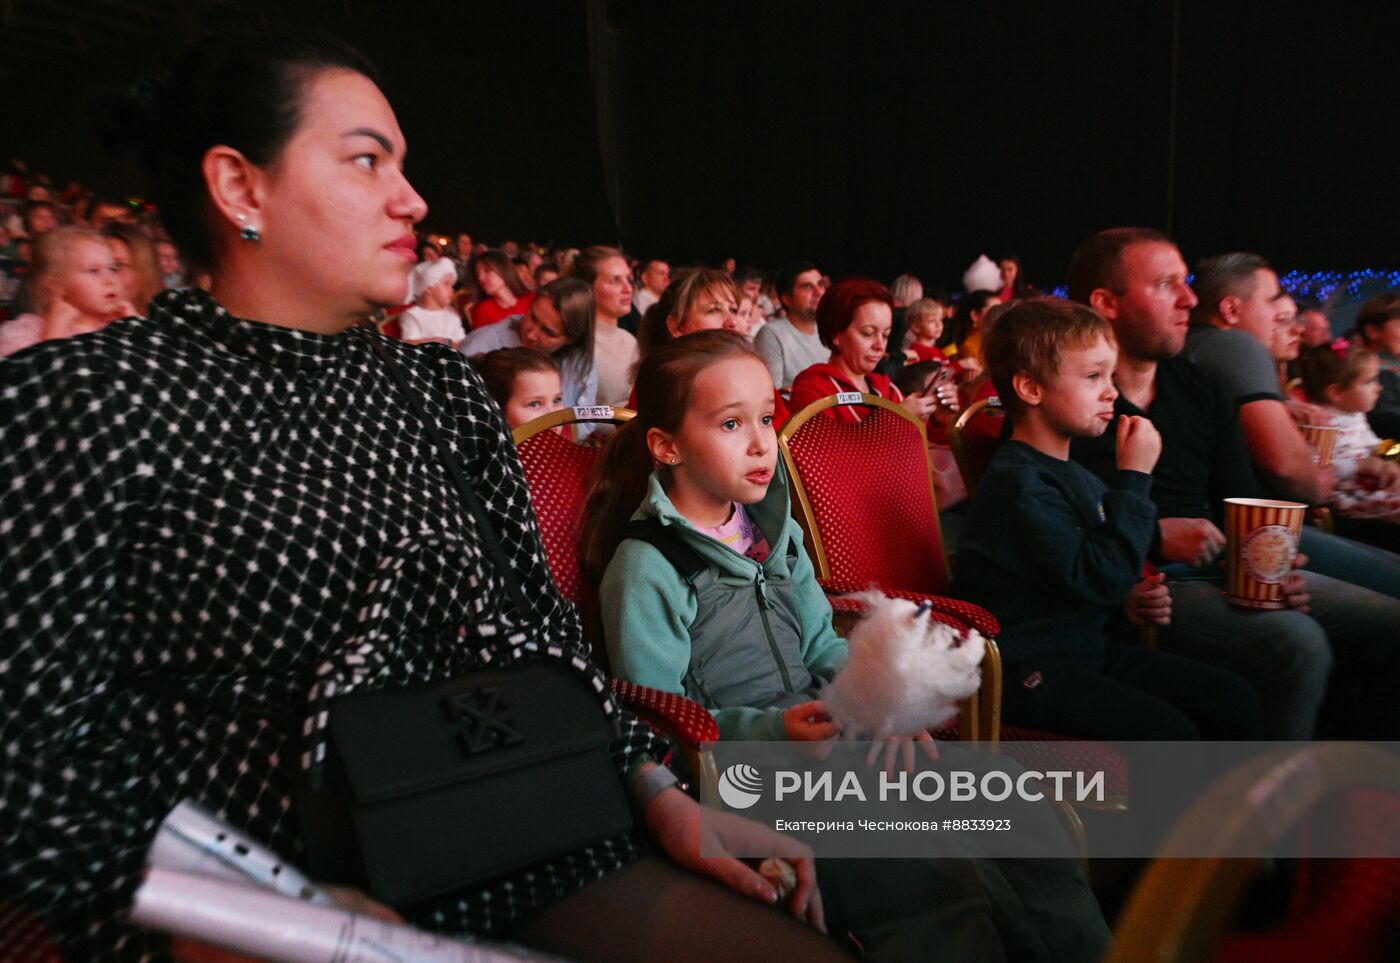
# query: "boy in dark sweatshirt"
{"points": [[1058, 556]]}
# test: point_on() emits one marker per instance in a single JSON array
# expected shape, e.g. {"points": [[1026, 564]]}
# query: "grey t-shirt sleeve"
{"points": [[768, 345], [1237, 362]]}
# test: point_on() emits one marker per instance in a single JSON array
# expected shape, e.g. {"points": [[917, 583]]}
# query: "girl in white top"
{"points": [[432, 317]]}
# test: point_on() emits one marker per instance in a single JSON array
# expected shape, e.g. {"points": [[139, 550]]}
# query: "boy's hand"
{"points": [[1139, 444], [1190, 541], [1149, 603], [810, 722]]}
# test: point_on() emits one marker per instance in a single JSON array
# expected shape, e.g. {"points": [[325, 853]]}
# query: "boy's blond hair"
{"points": [[1029, 338]]}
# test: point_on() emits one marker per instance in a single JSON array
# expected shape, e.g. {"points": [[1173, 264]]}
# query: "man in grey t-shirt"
{"points": [[791, 345], [1241, 306]]}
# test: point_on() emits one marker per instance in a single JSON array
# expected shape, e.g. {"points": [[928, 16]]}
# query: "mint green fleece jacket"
{"points": [[648, 606]]}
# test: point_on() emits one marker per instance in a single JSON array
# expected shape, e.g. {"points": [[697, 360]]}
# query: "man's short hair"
{"points": [[1029, 337], [1222, 276], [1377, 312], [788, 274], [1098, 261]]}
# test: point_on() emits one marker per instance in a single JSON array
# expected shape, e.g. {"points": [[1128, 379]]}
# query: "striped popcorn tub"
{"points": [[1262, 540]]}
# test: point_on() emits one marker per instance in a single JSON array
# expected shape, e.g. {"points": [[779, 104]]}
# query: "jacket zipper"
{"points": [[768, 631]]}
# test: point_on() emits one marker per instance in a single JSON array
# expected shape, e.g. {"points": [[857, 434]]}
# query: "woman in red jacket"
{"points": [[853, 319]]}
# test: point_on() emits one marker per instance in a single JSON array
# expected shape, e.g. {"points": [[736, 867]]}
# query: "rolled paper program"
{"points": [[262, 923]]}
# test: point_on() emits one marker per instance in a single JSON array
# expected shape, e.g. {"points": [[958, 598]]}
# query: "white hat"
{"points": [[983, 275], [427, 273]]}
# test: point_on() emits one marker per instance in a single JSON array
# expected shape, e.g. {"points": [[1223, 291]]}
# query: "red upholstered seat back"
{"points": [[869, 489], [557, 471]]}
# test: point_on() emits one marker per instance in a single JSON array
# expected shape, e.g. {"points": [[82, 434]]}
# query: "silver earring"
{"points": [[248, 232]]}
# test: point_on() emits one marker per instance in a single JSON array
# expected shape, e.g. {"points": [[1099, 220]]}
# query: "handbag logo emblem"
{"points": [[485, 720]]}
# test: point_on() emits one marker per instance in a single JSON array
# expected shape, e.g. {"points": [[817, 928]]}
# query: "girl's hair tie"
{"points": [[1340, 346]]}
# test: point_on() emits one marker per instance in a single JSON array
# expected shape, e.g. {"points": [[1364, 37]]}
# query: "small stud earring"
{"points": [[250, 233]]}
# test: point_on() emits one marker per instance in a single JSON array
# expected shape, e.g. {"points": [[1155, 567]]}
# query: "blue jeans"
{"points": [[1289, 656], [1341, 558]]}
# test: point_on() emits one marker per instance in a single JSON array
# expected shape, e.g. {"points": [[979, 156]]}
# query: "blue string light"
{"points": [[1323, 284]]}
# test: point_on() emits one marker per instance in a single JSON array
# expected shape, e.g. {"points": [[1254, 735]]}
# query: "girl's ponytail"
{"points": [[619, 484]]}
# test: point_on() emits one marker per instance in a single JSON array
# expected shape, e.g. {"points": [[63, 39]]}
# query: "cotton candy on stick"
{"points": [[907, 671]]}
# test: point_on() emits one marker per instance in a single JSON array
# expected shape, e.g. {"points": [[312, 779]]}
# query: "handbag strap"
{"points": [[486, 532]]}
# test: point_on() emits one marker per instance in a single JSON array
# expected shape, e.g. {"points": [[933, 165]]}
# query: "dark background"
{"points": [[875, 138]]}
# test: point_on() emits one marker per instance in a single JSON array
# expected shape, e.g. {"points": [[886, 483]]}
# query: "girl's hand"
{"points": [[902, 746], [810, 722], [674, 822], [1149, 603]]}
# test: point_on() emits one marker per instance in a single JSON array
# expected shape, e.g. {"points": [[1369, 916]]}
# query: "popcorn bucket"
{"points": [[1321, 438], [1261, 541]]}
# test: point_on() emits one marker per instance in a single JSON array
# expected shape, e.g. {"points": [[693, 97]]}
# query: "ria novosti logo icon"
{"points": [[740, 786]]}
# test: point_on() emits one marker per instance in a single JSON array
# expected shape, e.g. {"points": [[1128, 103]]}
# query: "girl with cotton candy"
{"points": [[705, 589], [432, 317]]}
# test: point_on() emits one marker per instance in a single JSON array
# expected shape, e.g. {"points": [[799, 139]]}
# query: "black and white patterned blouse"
{"points": [[193, 503]]}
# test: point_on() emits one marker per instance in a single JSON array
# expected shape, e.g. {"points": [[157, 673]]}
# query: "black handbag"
{"points": [[432, 787]]}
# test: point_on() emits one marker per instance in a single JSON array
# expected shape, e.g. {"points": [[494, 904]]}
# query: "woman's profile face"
{"points": [[489, 281], [337, 211], [542, 328]]}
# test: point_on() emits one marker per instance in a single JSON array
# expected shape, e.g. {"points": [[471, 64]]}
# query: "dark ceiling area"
{"points": [[874, 138]]}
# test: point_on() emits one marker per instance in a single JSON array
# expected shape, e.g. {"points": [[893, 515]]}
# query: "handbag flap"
{"points": [[401, 741]]}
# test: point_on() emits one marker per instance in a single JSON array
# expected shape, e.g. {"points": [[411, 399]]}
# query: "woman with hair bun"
{"points": [[202, 531]]}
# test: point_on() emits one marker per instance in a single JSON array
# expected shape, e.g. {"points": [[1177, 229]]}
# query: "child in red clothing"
{"points": [[925, 320]]}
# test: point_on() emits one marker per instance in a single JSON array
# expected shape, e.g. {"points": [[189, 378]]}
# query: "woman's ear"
{"points": [[662, 447], [673, 326], [237, 187], [1030, 391]]}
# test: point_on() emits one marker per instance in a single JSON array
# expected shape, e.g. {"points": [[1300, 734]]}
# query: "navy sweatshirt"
{"points": [[1052, 552]]}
